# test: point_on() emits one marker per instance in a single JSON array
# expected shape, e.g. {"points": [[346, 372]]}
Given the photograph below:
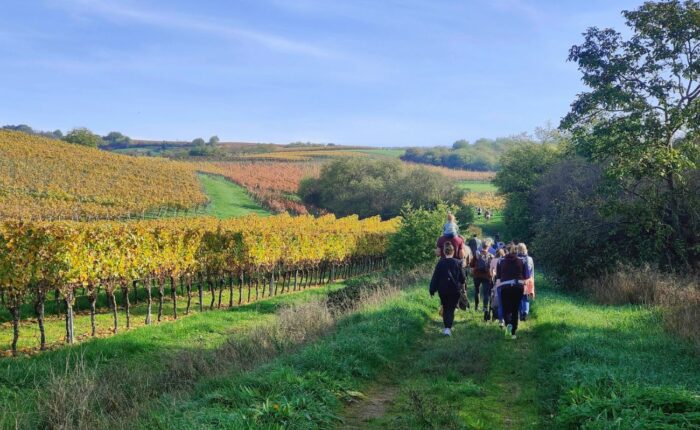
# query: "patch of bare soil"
{"points": [[374, 405]]}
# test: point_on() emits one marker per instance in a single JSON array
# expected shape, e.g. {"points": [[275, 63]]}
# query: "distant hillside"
{"points": [[44, 178]]}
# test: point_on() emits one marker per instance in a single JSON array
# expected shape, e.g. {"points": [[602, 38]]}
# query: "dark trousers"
{"points": [[483, 285], [449, 304], [510, 300]]}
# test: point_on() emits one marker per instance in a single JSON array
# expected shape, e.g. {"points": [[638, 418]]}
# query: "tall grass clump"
{"points": [[678, 296]]}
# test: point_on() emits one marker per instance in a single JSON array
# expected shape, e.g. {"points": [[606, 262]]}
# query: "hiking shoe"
{"points": [[447, 332], [509, 331]]}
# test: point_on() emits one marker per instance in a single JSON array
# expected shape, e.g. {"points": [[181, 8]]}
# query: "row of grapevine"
{"points": [[42, 179], [37, 258]]}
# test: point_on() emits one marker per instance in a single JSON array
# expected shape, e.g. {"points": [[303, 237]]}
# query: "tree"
{"points": [[83, 136], [198, 141], [641, 116], [214, 140], [369, 187], [460, 144], [115, 138], [521, 169]]}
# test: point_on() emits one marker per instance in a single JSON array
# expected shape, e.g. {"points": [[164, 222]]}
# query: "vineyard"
{"points": [[264, 255], [45, 179], [272, 184]]}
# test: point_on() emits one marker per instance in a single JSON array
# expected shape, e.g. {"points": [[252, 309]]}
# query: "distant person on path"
{"points": [[481, 272], [448, 280], [529, 288], [512, 273], [450, 228]]}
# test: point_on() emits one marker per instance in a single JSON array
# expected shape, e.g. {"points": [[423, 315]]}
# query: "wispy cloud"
{"points": [[172, 20]]}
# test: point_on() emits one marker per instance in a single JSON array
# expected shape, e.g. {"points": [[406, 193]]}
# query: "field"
{"points": [[42, 178], [382, 152], [478, 186]]}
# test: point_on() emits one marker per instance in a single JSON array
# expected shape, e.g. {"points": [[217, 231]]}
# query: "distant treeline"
{"points": [[482, 155]]}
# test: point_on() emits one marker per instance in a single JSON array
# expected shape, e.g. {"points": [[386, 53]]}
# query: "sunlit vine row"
{"points": [[37, 258]]}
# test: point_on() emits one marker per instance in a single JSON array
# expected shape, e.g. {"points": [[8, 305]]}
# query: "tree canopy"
{"points": [[83, 136], [641, 114], [369, 187]]}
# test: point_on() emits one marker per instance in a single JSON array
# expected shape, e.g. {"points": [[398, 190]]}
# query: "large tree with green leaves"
{"points": [[641, 115], [83, 136]]}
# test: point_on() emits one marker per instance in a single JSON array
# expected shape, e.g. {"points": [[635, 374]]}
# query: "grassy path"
{"points": [[228, 200], [574, 364], [476, 379]]}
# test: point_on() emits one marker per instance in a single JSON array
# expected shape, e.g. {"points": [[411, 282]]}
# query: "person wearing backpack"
{"points": [[481, 272], [529, 287], [448, 280], [511, 273]]}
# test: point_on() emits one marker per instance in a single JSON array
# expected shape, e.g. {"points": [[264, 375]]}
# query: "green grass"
{"points": [[55, 324], [134, 354], [478, 186], [383, 152], [305, 389], [603, 367], [228, 200], [574, 365], [494, 226]]}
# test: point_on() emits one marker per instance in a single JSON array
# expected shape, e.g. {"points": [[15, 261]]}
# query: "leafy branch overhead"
{"points": [[642, 114]]}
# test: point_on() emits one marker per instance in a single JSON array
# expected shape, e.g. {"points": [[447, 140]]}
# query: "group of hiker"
{"points": [[503, 276]]}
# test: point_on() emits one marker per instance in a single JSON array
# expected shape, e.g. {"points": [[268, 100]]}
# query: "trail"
{"points": [[475, 379]]}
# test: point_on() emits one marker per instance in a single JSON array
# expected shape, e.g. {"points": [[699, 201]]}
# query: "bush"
{"points": [[414, 242]]}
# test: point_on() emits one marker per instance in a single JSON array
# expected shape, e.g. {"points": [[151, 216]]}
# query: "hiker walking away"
{"points": [[496, 312], [481, 272], [448, 280], [511, 272], [529, 287], [474, 244]]}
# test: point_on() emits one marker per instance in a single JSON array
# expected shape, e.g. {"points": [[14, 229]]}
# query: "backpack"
{"points": [[483, 262]]}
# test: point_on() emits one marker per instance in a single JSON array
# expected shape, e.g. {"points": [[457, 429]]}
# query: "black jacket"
{"points": [[445, 269]]}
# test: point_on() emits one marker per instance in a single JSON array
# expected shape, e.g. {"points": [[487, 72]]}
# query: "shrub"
{"points": [[414, 242]]}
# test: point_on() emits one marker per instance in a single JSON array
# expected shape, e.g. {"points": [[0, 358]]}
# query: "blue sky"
{"points": [[366, 72]]}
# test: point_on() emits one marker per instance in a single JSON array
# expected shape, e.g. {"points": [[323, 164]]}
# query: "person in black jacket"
{"points": [[447, 280]]}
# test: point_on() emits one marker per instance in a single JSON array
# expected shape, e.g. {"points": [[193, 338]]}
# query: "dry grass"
{"points": [[678, 296]]}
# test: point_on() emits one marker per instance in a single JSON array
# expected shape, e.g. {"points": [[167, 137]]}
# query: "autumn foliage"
{"points": [[36, 257], [42, 178]]}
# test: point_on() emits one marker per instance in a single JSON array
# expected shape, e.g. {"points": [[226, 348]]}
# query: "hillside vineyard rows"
{"points": [[37, 258], [270, 183], [44, 179]]}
